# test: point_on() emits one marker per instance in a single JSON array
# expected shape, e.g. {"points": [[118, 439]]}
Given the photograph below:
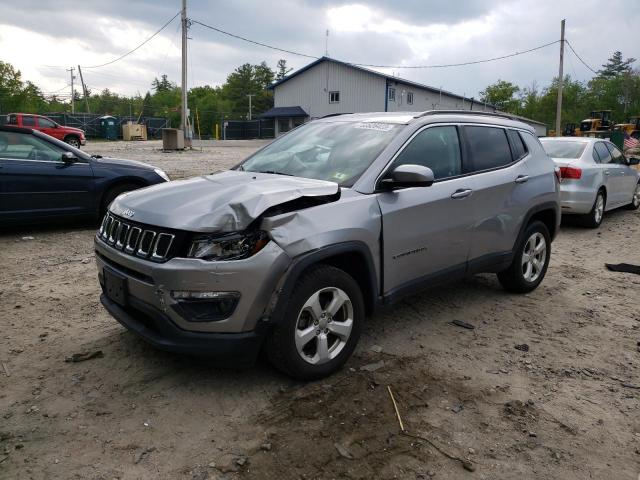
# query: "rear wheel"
{"points": [[113, 192], [530, 262], [73, 141], [593, 219], [321, 325], [635, 201]]}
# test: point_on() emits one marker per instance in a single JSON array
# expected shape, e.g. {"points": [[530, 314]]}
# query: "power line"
{"points": [[373, 65], [474, 62], [254, 42], [580, 58], [143, 43]]}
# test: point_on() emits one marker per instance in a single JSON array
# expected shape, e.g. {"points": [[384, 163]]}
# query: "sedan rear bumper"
{"points": [[576, 199]]}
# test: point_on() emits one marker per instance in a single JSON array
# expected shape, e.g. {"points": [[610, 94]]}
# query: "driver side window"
{"points": [[25, 146], [437, 148]]}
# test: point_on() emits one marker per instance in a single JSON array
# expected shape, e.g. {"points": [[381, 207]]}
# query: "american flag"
{"points": [[630, 142]]}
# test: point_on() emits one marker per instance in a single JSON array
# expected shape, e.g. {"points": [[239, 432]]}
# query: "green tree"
{"points": [[282, 69], [10, 88], [616, 66], [502, 94], [247, 80]]}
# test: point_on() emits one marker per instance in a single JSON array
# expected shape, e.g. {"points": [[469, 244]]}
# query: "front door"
{"points": [[427, 230], [49, 127], [35, 182]]}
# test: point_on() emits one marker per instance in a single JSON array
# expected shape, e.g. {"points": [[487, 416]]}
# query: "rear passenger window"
{"points": [[28, 121], [488, 147], [616, 154], [518, 147], [603, 152], [437, 148], [596, 157]]}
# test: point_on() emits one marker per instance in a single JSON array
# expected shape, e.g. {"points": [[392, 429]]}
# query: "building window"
{"points": [[392, 94], [334, 97], [409, 98]]}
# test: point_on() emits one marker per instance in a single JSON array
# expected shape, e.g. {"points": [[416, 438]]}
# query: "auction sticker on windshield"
{"points": [[381, 127]]}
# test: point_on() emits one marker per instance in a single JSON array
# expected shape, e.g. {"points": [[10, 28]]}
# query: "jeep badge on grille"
{"points": [[128, 212]]}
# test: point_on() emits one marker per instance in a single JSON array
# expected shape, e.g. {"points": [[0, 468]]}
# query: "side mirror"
{"points": [[404, 176], [633, 160], [68, 157]]}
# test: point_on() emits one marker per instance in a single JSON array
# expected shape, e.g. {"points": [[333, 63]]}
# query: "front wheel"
{"points": [[321, 325], [635, 201], [73, 141], [530, 262]]}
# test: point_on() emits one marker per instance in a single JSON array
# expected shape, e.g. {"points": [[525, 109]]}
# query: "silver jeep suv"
{"points": [[294, 247]]}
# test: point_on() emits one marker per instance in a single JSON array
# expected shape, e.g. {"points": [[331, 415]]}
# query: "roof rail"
{"points": [[336, 114], [468, 112]]}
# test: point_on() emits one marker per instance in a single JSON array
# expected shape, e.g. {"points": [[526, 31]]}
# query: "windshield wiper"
{"points": [[275, 173]]}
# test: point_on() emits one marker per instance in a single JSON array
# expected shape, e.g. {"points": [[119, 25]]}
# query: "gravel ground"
{"points": [[565, 406]]}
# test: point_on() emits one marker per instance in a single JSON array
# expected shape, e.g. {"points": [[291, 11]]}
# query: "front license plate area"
{"points": [[115, 286]]}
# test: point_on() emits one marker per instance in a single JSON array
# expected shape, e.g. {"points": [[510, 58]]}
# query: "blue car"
{"points": [[42, 178]]}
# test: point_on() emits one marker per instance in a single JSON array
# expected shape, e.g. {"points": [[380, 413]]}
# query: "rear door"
{"points": [[627, 175], [426, 230], [613, 175], [502, 194], [35, 182]]}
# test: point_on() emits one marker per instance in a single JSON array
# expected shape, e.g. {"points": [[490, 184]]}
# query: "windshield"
{"points": [[335, 151], [559, 149]]}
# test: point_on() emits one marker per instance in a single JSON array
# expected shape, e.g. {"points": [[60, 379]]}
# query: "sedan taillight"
{"points": [[570, 173]]}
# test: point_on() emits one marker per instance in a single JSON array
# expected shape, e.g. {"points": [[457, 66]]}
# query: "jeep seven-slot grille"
{"points": [[139, 240]]}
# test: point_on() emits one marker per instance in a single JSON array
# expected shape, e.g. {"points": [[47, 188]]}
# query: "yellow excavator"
{"points": [[598, 121], [631, 128]]}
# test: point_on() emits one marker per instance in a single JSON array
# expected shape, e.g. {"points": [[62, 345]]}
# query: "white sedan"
{"points": [[595, 177]]}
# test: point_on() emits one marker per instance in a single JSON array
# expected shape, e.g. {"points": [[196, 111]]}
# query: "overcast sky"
{"points": [[42, 38]]}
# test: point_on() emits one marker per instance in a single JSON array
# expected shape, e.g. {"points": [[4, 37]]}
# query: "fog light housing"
{"points": [[205, 306]]}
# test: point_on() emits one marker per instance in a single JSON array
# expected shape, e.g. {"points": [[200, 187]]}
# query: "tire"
{"points": [[112, 193], [635, 201], [524, 276], [301, 355], [73, 141], [593, 219]]}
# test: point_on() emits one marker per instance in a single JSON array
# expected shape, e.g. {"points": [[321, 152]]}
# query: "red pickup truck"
{"points": [[73, 136]]}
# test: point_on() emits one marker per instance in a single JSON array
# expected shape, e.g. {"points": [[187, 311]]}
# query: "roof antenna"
{"points": [[326, 44]]}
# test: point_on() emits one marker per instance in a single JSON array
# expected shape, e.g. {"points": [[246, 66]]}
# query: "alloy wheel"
{"points": [[534, 257], [599, 209], [636, 196], [74, 143], [324, 325]]}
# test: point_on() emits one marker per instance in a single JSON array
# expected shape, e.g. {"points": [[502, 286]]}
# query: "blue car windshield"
{"points": [[335, 151]]}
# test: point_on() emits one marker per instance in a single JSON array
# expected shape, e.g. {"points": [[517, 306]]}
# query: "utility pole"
{"points": [[184, 125], [252, 95], [84, 89], [73, 105], [326, 44], [560, 82]]}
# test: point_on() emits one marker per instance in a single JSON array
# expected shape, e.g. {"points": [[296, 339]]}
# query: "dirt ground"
{"points": [[566, 406]]}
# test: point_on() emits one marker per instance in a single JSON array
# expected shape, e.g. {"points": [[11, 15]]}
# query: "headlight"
{"points": [[162, 174], [234, 246]]}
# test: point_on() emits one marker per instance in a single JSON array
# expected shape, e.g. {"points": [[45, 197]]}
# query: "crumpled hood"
{"points": [[223, 202]]}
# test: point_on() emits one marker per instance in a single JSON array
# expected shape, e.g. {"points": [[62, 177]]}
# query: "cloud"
{"points": [[66, 33]]}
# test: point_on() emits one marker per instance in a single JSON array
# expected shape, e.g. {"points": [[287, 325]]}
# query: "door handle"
{"points": [[607, 172], [461, 193], [522, 178]]}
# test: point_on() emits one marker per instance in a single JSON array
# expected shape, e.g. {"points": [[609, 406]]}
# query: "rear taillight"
{"points": [[570, 173]]}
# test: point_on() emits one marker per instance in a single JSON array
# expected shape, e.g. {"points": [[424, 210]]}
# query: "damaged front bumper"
{"points": [[153, 300]]}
